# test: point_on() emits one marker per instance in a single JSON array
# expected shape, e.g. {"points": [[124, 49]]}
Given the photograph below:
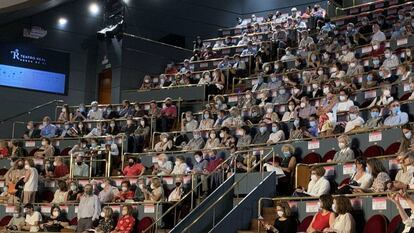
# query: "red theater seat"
{"points": [[32, 152], [377, 223], [405, 96], [144, 224], [395, 222], [5, 220], [373, 151], [312, 158], [65, 151], [303, 226], [393, 148], [329, 155], [3, 171], [73, 221]]}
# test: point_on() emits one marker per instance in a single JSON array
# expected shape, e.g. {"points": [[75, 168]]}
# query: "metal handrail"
{"points": [[191, 192], [230, 189]]}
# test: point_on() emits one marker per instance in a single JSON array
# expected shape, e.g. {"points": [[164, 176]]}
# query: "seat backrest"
{"points": [[395, 222], [144, 224], [312, 158], [65, 151], [305, 224], [329, 155], [377, 223], [373, 151], [32, 152], [405, 96], [5, 220], [73, 221], [393, 148]]}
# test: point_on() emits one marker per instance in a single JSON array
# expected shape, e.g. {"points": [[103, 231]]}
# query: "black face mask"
{"points": [[177, 184], [131, 164], [20, 166], [168, 105], [78, 163]]}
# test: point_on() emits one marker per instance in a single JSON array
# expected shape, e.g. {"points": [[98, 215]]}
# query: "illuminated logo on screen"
{"points": [[16, 55]]}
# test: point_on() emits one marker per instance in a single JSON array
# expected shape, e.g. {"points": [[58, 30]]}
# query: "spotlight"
{"points": [[94, 8], [126, 1], [62, 21]]}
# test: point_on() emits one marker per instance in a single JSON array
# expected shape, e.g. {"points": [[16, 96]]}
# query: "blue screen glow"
{"points": [[12, 76]]}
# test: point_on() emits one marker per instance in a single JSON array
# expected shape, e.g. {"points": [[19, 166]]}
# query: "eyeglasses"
{"points": [[395, 105]]}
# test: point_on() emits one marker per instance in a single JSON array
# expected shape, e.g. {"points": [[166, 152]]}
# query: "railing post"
{"points": [[71, 166]]}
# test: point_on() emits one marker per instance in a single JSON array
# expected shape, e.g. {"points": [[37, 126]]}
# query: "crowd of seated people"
{"points": [[317, 98]]}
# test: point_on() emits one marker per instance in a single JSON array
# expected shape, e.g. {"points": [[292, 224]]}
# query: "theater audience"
{"points": [[285, 221], [318, 185], [344, 222], [325, 217], [126, 222], [345, 153]]}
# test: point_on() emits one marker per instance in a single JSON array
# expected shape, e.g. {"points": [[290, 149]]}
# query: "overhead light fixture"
{"points": [[62, 21], [94, 8]]}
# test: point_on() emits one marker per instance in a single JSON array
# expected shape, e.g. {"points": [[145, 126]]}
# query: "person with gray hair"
{"points": [[189, 123], [345, 153], [354, 119], [89, 209], [95, 113]]}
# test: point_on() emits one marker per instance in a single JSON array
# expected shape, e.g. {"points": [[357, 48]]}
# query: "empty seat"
{"points": [[312, 158], [65, 151], [73, 221], [395, 222], [377, 223], [393, 148], [373, 151], [5, 220], [405, 96], [144, 224]]}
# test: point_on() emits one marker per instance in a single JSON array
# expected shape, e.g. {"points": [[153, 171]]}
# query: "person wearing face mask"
{"points": [[298, 129], [344, 222], [4, 150], [178, 191], [125, 193], [366, 28], [113, 128], [354, 68], [31, 181], [189, 123], [325, 217], [31, 131], [110, 113], [239, 67], [33, 218], [247, 101], [397, 117], [288, 56], [134, 168], [407, 139], [108, 192], [281, 95], [306, 40], [74, 193], [305, 109], [168, 115], [380, 176], [276, 135], [222, 116], [260, 84], [106, 223], [65, 131], [355, 121], [163, 166], [391, 60], [290, 112], [226, 139], [141, 135], [284, 223], [404, 72], [61, 194], [89, 209], [386, 97], [378, 36], [196, 143], [287, 164], [126, 222], [82, 146], [139, 190], [126, 110], [375, 120], [254, 116], [344, 102], [65, 114], [147, 84], [316, 91], [80, 130], [270, 115], [165, 143], [213, 140], [219, 103], [46, 150], [317, 186], [244, 138], [95, 113], [47, 129], [405, 174], [347, 55], [80, 168], [207, 122], [262, 134], [17, 221], [55, 222], [180, 167], [360, 179], [156, 192], [345, 153]]}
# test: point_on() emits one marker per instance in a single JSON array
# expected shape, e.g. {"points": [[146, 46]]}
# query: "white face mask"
{"points": [[342, 98], [334, 208], [103, 214], [55, 213], [198, 159], [326, 90], [222, 135], [314, 178], [124, 212], [165, 139], [44, 143], [342, 145], [269, 110], [27, 167], [124, 189]]}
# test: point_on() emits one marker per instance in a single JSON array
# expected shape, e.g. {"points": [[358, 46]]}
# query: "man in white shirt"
{"points": [[95, 113], [318, 185], [33, 218], [306, 40], [378, 35], [347, 55], [355, 120], [288, 55], [391, 60]]}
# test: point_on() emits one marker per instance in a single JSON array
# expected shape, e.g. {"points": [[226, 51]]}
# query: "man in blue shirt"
{"points": [[397, 117], [48, 130]]}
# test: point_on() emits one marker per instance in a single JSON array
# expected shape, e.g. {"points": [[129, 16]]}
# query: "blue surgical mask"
{"points": [[369, 78], [286, 154], [296, 123], [312, 123], [396, 110], [274, 129], [374, 114], [263, 129]]}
